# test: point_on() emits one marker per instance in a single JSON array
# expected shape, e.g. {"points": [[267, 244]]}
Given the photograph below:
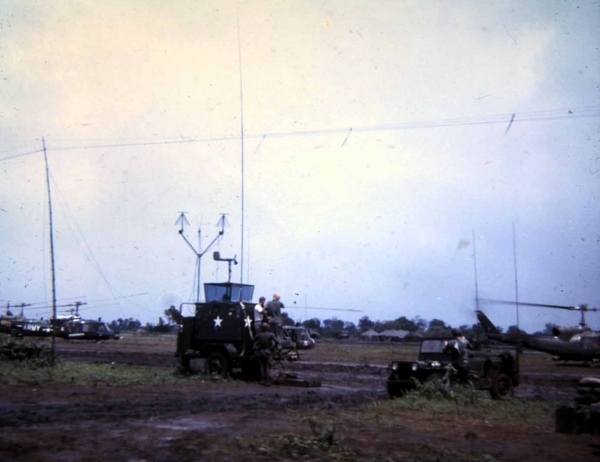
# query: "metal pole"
{"points": [[516, 278], [475, 266], [199, 263], [51, 257], [242, 149], [519, 341]]}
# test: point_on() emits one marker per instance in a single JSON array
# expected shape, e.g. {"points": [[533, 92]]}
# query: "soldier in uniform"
{"points": [[273, 312], [259, 314], [265, 344], [459, 350]]}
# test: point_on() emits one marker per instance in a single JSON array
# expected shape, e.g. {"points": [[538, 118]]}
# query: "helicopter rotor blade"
{"points": [[541, 305]]}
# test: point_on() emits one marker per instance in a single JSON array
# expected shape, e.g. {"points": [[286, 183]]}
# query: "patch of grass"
{"points": [[318, 444], [360, 352], [32, 354], [95, 375], [465, 405]]}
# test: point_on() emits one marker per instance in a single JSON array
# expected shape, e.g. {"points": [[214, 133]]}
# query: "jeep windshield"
{"points": [[432, 346]]}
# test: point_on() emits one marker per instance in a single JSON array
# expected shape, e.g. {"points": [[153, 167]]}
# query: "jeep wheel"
{"points": [[395, 389], [185, 362], [502, 387], [216, 364]]}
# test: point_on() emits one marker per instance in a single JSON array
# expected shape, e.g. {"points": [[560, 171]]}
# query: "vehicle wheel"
{"points": [[216, 364], [502, 387], [395, 389], [251, 371], [185, 363], [192, 364]]}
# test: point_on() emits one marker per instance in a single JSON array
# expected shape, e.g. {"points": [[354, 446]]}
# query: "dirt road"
{"points": [[232, 420]]}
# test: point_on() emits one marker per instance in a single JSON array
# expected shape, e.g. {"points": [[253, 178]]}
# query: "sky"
{"points": [[394, 158]]}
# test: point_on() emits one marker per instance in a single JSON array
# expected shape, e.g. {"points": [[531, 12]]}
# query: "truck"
{"points": [[221, 332], [494, 371]]}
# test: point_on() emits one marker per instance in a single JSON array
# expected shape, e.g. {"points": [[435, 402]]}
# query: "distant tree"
{"points": [[438, 328], [364, 324], [351, 328], [388, 325], [121, 324], [169, 315], [420, 323], [513, 330], [466, 330], [477, 332], [332, 325], [403, 323], [380, 326], [312, 324]]}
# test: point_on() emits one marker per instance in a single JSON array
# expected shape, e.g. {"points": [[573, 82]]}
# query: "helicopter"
{"points": [[69, 327], [74, 327], [578, 343], [20, 326]]}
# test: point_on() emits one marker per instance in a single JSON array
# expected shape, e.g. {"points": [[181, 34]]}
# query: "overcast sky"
{"points": [[379, 138]]}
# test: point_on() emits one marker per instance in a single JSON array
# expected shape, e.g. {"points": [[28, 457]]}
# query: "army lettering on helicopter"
{"points": [[578, 343], [20, 326]]}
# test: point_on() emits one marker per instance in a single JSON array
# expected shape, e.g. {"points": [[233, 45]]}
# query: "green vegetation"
{"points": [[30, 354], [318, 444], [95, 375], [462, 402]]}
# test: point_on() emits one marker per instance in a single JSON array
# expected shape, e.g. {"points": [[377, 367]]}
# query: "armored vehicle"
{"points": [[497, 372], [222, 332]]}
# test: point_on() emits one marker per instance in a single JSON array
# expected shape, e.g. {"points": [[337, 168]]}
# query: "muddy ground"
{"points": [[235, 420]]}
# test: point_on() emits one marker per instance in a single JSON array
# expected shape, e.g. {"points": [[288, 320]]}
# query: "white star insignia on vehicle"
{"points": [[218, 321], [248, 322]]}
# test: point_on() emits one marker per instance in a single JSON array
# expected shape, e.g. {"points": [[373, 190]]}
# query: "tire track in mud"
{"points": [[365, 377], [328, 397]]}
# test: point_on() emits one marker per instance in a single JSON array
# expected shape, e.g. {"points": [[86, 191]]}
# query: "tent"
{"points": [[370, 333]]}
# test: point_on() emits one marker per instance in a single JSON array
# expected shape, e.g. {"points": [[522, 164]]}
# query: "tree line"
{"points": [[333, 326]]}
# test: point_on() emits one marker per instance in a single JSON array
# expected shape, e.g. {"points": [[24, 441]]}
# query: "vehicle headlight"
{"points": [[435, 364], [415, 366], [394, 366]]}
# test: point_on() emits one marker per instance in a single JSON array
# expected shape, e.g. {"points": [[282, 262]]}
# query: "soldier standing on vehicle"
{"points": [[460, 355], [259, 314], [273, 311], [265, 344]]}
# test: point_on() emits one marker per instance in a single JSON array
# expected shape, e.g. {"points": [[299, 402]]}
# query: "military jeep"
{"points": [[497, 372]]}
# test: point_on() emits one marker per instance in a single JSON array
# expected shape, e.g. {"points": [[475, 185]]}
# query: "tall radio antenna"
{"points": [[242, 148], [51, 256], [182, 221]]}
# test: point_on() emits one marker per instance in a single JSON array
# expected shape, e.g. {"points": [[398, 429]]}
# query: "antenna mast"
{"points": [[475, 267], [182, 221], [51, 256], [242, 148]]}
